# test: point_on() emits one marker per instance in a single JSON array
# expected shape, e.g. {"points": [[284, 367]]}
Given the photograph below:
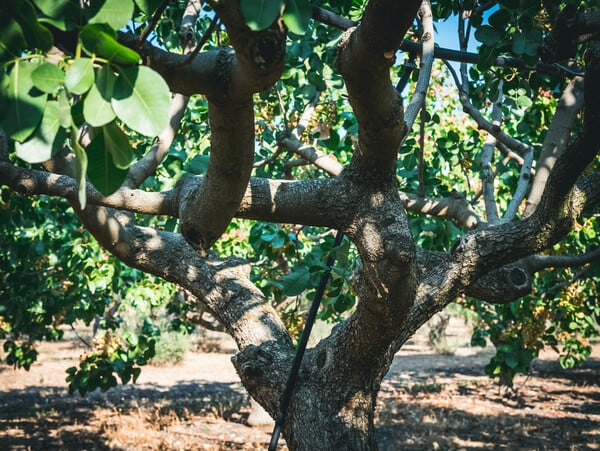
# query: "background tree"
{"points": [[295, 119]]}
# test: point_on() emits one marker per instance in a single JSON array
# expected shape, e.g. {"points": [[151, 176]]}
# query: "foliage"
{"points": [[170, 348], [561, 314], [48, 101]]}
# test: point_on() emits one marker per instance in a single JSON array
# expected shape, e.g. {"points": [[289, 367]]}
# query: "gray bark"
{"points": [[398, 286]]}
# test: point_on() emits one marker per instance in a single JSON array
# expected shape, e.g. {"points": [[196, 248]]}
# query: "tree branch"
{"points": [[482, 123], [556, 139], [329, 18], [428, 42], [538, 262], [487, 157], [523, 184], [365, 57]]}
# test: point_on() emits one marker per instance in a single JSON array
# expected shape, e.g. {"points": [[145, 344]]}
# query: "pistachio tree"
{"points": [[455, 175]]}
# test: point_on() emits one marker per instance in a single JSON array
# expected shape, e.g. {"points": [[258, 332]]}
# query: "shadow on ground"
{"points": [[433, 406]]}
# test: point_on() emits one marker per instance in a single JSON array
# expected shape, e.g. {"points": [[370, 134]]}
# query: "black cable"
{"points": [[310, 320], [409, 67]]}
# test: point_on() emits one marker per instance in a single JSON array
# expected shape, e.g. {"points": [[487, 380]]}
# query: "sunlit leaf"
{"points": [[97, 109], [115, 13], [64, 110], [47, 139], [141, 99], [101, 40], [259, 14], [80, 76], [47, 77], [26, 103]]}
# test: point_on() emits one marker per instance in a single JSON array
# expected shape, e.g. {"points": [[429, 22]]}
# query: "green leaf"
{"points": [[524, 102], [499, 19], [26, 103], [148, 6], [48, 77], [77, 113], [64, 109], [487, 35], [81, 165], [36, 35], [100, 39], [102, 172], [115, 13], [12, 40], [47, 140], [260, 14], [487, 56], [97, 109], [63, 14], [141, 99], [117, 144], [199, 164], [297, 15], [296, 282], [80, 76], [519, 44]]}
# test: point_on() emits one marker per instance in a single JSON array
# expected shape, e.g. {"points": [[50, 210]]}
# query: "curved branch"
{"points": [[482, 123], [365, 57], [259, 56], [222, 285], [418, 98], [523, 184], [556, 139], [205, 213], [487, 157]]}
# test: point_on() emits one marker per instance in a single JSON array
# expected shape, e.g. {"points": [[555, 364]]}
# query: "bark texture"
{"points": [[398, 286]]}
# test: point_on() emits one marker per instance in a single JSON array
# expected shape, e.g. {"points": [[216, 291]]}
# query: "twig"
{"points": [[270, 159], [80, 338], [483, 124], [283, 110], [153, 22]]}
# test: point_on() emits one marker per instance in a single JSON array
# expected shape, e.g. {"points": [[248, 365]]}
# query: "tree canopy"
{"points": [[217, 145]]}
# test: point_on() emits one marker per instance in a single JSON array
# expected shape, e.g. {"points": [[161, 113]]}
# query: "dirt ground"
{"points": [[428, 401]]}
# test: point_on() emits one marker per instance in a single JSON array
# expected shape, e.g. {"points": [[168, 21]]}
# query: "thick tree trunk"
{"points": [[335, 417], [333, 402]]}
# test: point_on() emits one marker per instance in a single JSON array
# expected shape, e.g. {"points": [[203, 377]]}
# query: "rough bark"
{"points": [[398, 286]]}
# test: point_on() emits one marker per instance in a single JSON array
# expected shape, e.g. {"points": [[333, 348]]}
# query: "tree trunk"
{"points": [[331, 418]]}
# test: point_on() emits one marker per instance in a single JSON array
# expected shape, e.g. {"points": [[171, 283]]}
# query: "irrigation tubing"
{"points": [[310, 320]]}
